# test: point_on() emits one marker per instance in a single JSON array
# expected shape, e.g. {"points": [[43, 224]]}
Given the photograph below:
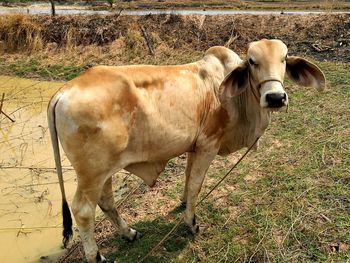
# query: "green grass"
{"points": [[35, 68], [287, 202], [66, 67]]}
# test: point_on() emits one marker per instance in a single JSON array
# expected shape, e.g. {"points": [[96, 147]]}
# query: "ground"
{"points": [[287, 202]]}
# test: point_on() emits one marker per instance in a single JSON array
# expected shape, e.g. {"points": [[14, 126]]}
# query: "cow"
{"points": [[139, 117]]}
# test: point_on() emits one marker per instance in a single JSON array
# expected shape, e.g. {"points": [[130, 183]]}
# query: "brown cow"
{"points": [[139, 117]]}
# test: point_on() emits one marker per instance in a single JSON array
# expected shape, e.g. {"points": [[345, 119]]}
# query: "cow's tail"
{"points": [[67, 218]]}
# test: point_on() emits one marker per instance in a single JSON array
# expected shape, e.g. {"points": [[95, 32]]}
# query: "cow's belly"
{"points": [[160, 133], [158, 146], [148, 153], [147, 171]]}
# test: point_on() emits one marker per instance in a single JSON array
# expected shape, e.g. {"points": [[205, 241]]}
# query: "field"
{"points": [[287, 202]]}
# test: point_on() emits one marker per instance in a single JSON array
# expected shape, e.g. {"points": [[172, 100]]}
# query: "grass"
{"points": [[60, 68], [66, 64], [287, 202], [34, 68]]}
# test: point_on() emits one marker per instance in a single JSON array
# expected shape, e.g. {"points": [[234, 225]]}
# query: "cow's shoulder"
{"points": [[216, 122]]}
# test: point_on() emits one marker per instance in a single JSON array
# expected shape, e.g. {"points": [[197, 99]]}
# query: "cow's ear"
{"points": [[234, 83], [305, 73]]}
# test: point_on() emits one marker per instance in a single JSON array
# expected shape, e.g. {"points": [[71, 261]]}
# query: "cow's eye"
{"points": [[252, 62]]}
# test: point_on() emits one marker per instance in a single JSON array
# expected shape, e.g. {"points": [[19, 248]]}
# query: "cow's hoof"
{"points": [[197, 229], [134, 235], [137, 236], [101, 259], [106, 261], [192, 224]]}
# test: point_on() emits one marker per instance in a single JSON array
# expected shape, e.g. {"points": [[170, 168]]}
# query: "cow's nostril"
{"points": [[276, 100]]}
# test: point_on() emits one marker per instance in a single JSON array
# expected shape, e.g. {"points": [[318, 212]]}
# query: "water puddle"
{"points": [[30, 197], [30, 216]]}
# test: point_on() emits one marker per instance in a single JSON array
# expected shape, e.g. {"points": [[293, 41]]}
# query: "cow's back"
{"points": [[130, 114]]}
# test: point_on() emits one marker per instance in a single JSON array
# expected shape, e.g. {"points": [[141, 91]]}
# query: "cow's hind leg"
{"points": [[84, 207], [106, 203]]}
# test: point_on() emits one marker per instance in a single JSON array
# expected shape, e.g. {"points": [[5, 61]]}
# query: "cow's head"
{"points": [[263, 72]]}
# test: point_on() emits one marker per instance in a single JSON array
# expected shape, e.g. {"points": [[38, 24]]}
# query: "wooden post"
{"points": [[148, 41], [1, 104], [53, 9]]}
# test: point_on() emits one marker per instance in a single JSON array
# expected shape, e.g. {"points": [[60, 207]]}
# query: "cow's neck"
{"points": [[247, 121]]}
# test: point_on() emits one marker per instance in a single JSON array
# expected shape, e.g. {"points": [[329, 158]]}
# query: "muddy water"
{"points": [[30, 217], [30, 199]]}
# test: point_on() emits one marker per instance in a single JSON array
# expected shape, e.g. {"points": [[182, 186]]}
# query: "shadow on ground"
{"points": [[153, 231], [118, 249]]}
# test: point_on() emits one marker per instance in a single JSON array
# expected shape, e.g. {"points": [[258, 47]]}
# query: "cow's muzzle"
{"points": [[276, 100], [273, 95]]}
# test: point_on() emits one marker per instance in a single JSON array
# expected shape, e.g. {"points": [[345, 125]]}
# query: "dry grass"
{"points": [[197, 32], [232, 4], [61, 48], [19, 33]]}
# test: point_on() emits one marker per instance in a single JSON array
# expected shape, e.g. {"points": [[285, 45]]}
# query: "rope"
{"points": [[224, 177], [205, 197], [8, 229]]}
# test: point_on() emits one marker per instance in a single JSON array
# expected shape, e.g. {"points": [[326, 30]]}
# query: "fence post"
{"points": [[53, 10]]}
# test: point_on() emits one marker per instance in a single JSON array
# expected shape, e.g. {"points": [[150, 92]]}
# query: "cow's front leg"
{"points": [[187, 174], [200, 162]]}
